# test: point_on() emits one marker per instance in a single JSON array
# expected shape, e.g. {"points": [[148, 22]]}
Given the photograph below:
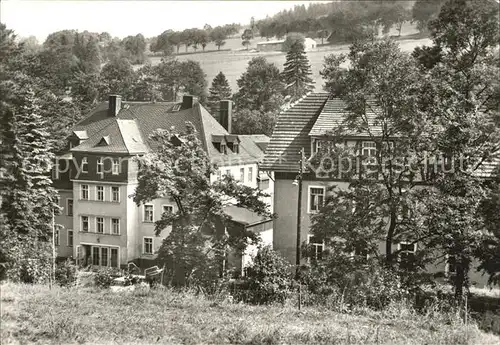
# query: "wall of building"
{"points": [[106, 209], [64, 222], [285, 226]]}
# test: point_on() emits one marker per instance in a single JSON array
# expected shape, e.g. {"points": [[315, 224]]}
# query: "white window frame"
{"points": [[85, 165], [322, 245], [144, 245], [88, 223], [87, 190], [115, 166], [70, 231], [242, 174], [369, 150], [317, 145], [415, 248], [309, 188], [152, 213], [67, 207], [97, 193], [250, 174], [228, 173], [113, 228], [112, 195], [100, 166], [97, 225], [166, 205]]}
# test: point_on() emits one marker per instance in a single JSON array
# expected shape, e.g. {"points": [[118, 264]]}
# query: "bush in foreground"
{"points": [[269, 279]]}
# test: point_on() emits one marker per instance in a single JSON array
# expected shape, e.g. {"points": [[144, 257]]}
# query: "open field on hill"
{"points": [[234, 63], [35, 314]]}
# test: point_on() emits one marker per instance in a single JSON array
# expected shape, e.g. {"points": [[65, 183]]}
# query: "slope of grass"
{"points": [[36, 314]]}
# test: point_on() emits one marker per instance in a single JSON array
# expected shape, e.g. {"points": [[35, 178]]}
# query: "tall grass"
{"points": [[36, 314]]}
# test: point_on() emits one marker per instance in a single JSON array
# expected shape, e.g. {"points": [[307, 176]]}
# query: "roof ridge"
{"points": [[197, 107]]}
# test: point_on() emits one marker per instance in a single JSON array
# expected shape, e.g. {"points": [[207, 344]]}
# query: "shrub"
{"points": [[66, 273], [355, 282], [268, 279], [104, 277]]}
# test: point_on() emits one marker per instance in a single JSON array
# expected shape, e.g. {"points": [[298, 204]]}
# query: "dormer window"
{"points": [[236, 148], [223, 148]]}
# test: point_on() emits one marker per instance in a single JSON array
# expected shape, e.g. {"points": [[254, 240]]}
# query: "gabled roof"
{"points": [[119, 136], [244, 216], [332, 118], [291, 133], [255, 144], [129, 130]]}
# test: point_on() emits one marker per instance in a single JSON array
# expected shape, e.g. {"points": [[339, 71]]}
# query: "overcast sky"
{"points": [[123, 18]]}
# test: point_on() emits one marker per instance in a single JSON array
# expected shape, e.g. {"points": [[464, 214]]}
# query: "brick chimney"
{"points": [[188, 101], [226, 114], [114, 104]]}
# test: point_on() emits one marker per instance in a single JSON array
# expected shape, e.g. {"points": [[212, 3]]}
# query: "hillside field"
{"points": [[36, 314], [234, 62]]}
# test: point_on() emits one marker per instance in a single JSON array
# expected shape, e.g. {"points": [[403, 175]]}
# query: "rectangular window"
{"points": [[369, 152], [99, 225], [100, 165], [317, 247], [317, 146], [115, 194], [228, 173], [242, 174], [316, 198], [100, 193], [148, 213], [104, 256], [407, 251], [85, 165], [70, 238], [451, 265], [116, 166], [115, 226], [219, 175], [85, 223], [236, 148], [223, 149], [69, 207], [168, 209], [56, 237], [114, 257], [95, 256], [148, 245], [84, 188], [250, 174]]}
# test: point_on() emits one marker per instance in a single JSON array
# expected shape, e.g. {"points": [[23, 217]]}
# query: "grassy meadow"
{"points": [[234, 62], [36, 314]]}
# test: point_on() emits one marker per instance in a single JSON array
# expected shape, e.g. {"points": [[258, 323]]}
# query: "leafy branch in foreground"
{"points": [[201, 236]]}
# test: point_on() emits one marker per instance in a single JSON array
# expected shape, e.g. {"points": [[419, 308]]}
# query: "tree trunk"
{"points": [[390, 236]]}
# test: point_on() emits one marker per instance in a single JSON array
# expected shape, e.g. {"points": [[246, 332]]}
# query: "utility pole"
{"points": [[298, 182], [53, 274]]}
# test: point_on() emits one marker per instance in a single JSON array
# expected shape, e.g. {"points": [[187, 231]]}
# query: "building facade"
{"points": [[300, 132], [100, 224]]}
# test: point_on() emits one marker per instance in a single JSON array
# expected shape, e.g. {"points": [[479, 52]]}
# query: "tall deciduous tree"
{"points": [[218, 35], [296, 72], [117, 76], [246, 37], [219, 90], [260, 87], [180, 170]]}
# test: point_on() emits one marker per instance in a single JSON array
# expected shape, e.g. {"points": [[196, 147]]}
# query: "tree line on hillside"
{"points": [[347, 21], [170, 40]]}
